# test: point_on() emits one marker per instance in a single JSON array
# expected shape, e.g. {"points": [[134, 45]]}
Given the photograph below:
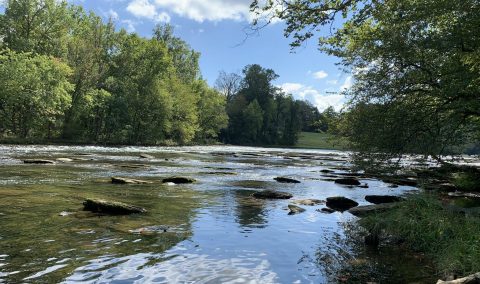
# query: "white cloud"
{"points": [[112, 15], [347, 84], [146, 9], [291, 88], [317, 98], [212, 10], [320, 74], [332, 82], [129, 25]]}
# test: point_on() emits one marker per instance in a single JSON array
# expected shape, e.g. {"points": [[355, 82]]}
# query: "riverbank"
{"points": [[443, 223]]}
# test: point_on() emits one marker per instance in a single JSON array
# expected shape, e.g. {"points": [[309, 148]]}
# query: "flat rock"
{"points": [[340, 203], [178, 180], [472, 279], [111, 207], [120, 180], [294, 209], [309, 202], [361, 211], [379, 199], [65, 160], [146, 156], [38, 161], [286, 180], [271, 194], [347, 181]]}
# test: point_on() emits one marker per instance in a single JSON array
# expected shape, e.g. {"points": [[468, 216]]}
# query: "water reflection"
{"points": [[250, 212], [208, 232]]}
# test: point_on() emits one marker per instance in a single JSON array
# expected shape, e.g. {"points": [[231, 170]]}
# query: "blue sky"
{"points": [[216, 28]]}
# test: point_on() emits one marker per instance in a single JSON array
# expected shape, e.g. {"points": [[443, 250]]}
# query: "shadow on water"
{"points": [[346, 259]]}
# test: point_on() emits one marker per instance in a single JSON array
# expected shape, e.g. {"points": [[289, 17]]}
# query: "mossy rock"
{"points": [[111, 207]]}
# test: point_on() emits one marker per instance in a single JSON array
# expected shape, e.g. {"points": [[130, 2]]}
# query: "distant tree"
{"points": [[228, 84], [212, 117]]}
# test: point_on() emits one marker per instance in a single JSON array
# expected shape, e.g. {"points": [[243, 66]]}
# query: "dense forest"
{"points": [[66, 75]]}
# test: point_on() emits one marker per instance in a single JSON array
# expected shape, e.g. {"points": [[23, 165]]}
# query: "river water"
{"points": [[211, 231]]}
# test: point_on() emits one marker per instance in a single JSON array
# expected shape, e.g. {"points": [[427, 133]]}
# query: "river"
{"points": [[211, 231]]}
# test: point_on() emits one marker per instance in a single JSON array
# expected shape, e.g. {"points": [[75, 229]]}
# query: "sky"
{"points": [[217, 29]]}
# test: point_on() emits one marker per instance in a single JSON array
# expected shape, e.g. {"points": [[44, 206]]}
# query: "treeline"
{"points": [[66, 74], [262, 114]]}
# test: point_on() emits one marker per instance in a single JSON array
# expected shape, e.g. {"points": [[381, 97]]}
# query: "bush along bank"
{"points": [[434, 226]]}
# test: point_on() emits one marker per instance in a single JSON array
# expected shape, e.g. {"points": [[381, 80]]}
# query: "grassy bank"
{"points": [[422, 223], [313, 140]]}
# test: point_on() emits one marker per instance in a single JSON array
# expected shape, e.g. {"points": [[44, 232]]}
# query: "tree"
{"points": [[34, 93], [415, 64], [212, 116], [228, 84], [39, 26]]}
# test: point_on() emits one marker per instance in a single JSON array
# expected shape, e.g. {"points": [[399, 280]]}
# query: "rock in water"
{"points": [[340, 203], [111, 207], [271, 194], [178, 180], [38, 161], [361, 211], [379, 199], [146, 156], [326, 210], [347, 181], [294, 209], [120, 180], [309, 202], [65, 160], [286, 180]]}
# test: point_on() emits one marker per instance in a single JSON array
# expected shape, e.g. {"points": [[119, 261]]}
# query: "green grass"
{"points": [[450, 239], [314, 140]]}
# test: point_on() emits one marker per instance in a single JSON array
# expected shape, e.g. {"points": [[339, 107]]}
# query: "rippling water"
{"points": [[211, 231]]}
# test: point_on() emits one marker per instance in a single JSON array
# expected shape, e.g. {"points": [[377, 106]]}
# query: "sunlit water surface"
{"points": [[211, 231]]}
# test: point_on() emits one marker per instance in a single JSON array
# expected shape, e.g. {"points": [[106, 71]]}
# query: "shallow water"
{"points": [[211, 231]]}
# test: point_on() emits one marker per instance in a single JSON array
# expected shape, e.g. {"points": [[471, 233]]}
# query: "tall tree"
{"points": [[415, 64]]}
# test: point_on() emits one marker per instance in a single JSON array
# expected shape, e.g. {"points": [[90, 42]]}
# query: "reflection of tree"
{"points": [[250, 212]]}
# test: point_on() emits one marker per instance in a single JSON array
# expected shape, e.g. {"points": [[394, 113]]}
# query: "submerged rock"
{"points": [[398, 180], [286, 180], [340, 203], [38, 161], [361, 211], [146, 156], [178, 180], [326, 171], [472, 279], [347, 181], [220, 173], [326, 210], [294, 209], [309, 202], [120, 180], [379, 199], [111, 207], [271, 194]]}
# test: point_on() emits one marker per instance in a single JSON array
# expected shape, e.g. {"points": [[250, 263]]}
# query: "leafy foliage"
{"points": [[415, 64]]}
